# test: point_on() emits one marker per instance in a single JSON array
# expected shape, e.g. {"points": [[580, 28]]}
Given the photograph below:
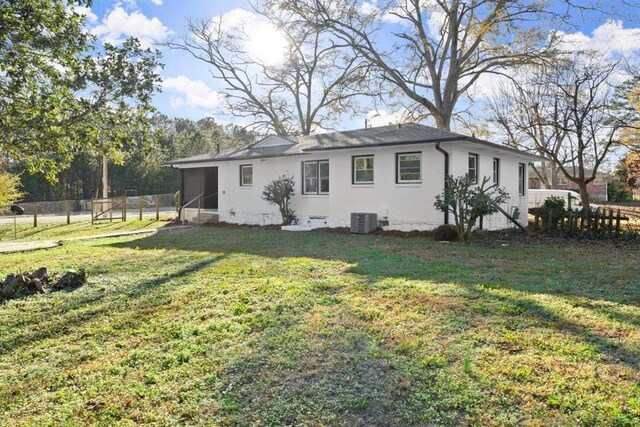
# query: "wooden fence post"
{"points": [[35, 214], [140, 208], [68, 212], [157, 207], [92, 211], [124, 208]]}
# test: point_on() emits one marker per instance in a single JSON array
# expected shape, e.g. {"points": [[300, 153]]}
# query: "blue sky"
{"points": [[189, 91]]}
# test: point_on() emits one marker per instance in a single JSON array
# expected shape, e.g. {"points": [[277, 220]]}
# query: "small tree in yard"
{"points": [[278, 192], [467, 201], [9, 189]]}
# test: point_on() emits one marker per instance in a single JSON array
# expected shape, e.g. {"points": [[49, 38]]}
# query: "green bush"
{"points": [[468, 201], [279, 192], [552, 211], [10, 189], [445, 233], [619, 192]]}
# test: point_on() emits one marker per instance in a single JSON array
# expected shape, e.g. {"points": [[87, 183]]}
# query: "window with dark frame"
{"points": [[246, 175], [315, 177], [521, 179], [362, 169], [408, 168], [496, 171], [473, 168]]}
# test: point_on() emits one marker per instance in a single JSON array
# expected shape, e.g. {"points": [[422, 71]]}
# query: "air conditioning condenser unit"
{"points": [[363, 223]]}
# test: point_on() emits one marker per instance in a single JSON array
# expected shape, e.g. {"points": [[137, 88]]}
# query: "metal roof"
{"points": [[277, 146]]}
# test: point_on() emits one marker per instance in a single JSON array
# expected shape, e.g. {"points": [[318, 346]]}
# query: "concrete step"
{"points": [[207, 218]]}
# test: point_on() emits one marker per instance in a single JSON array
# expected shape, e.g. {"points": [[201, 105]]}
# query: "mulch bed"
{"points": [[498, 238]]}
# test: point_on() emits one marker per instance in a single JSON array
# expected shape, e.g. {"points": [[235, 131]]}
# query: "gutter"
{"points": [[446, 176]]}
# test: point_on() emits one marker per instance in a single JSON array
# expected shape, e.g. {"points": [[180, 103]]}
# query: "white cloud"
{"points": [[119, 24], [396, 14], [192, 93], [609, 38], [384, 117], [260, 38], [487, 84], [87, 13], [157, 2], [369, 8]]}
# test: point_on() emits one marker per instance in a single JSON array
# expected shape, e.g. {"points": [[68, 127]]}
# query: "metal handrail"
{"points": [[198, 197], [187, 204], [193, 200]]}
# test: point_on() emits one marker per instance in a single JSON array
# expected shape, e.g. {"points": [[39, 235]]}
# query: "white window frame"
{"points": [[318, 178], [242, 183], [399, 179], [496, 171], [354, 177], [475, 174], [522, 178]]}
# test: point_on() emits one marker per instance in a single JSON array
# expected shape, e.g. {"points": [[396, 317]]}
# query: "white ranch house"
{"points": [[392, 171]]}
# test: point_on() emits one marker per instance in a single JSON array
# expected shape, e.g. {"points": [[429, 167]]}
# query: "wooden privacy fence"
{"points": [[601, 221]]}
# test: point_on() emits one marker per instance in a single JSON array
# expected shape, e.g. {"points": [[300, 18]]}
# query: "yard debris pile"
{"points": [[39, 282]]}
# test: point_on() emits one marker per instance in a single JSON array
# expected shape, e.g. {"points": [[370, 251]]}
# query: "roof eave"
{"points": [[531, 157], [384, 144], [228, 159]]}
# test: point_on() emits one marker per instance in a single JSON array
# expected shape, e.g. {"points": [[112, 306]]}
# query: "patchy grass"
{"points": [[224, 326], [60, 230]]}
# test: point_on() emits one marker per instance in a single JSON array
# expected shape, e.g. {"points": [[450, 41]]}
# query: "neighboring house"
{"points": [[393, 171], [597, 189]]}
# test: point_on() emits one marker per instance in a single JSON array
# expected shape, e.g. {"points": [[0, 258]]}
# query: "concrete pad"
{"points": [[10, 247], [33, 245], [295, 228]]}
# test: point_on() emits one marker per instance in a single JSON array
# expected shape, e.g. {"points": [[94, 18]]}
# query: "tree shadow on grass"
{"points": [[317, 367], [475, 268], [76, 312], [31, 232], [526, 307], [544, 270]]}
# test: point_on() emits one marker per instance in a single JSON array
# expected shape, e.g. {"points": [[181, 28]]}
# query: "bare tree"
{"points": [[572, 115], [318, 80], [533, 118], [441, 47]]}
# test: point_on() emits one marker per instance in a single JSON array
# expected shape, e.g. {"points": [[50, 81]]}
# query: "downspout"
{"points": [[446, 176]]}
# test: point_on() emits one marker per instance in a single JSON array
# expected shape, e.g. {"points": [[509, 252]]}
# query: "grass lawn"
{"points": [[248, 326]]}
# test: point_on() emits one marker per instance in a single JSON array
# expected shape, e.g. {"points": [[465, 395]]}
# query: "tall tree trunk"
{"points": [[105, 177], [443, 121], [584, 196]]}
